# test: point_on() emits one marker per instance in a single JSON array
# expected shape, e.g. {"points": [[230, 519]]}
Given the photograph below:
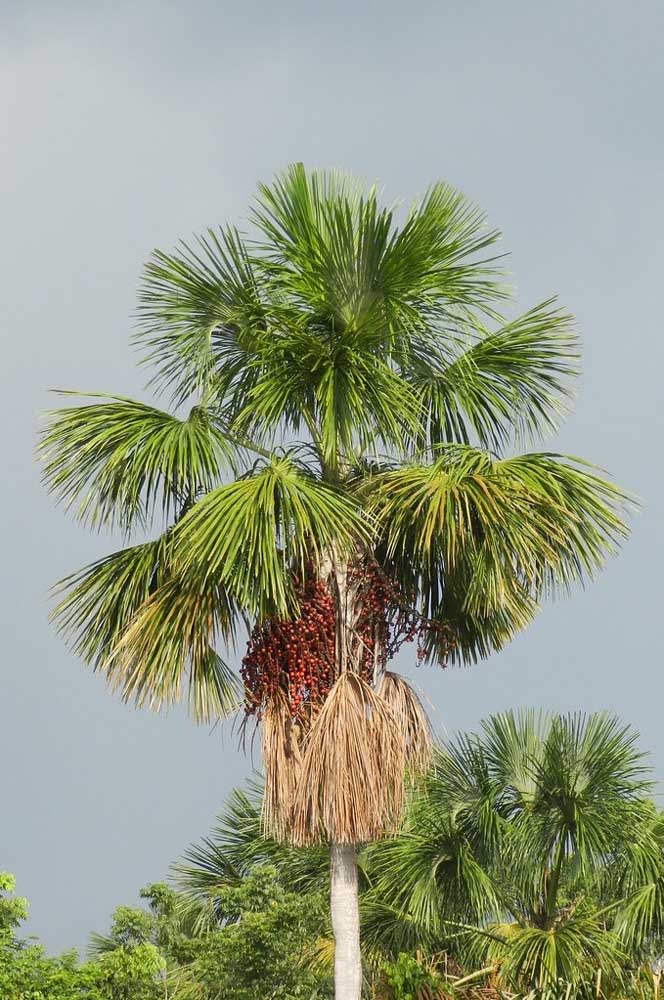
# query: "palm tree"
{"points": [[332, 476], [532, 851]]}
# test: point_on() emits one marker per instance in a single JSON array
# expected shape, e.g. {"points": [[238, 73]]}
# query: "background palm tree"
{"points": [[332, 478], [530, 861], [531, 849]]}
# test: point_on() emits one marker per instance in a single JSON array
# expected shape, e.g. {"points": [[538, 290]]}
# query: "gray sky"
{"points": [[126, 126]]}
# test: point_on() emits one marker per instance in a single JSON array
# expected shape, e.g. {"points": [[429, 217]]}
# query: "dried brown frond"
{"points": [[411, 718], [351, 786], [282, 764]]}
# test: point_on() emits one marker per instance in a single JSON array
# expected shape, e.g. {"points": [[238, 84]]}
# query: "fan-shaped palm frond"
{"points": [[636, 878], [97, 603], [170, 644], [590, 778], [512, 530], [252, 533], [114, 461], [152, 631], [201, 315], [234, 847], [477, 634], [569, 954], [515, 378], [438, 872], [348, 398], [436, 263]]}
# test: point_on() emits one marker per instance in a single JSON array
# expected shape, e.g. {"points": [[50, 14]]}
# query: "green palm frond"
{"points": [[477, 634], [387, 930], [151, 631], [97, 603], [101, 944], [571, 789], [513, 745], [590, 781], [435, 263], [252, 533], [513, 379], [342, 250], [434, 873], [342, 258], [113, 462], [201, 315], [223, 858], [169, 646], [214, 689], [636, 877], [512, 530], [345, 396], [324, 238], [569, 953], [234, 847]]}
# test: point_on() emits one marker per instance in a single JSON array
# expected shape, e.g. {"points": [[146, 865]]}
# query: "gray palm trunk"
{"points": [[345, 910], [344, 898]]}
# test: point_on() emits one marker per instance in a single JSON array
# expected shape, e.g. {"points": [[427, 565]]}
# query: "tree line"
{"points": [[529, 862]]}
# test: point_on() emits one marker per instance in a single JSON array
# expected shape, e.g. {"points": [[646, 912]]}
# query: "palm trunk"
{"points": [[345, 911]]}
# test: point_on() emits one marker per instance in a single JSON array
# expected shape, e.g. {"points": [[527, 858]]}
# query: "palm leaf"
{"points": [[234, 847], [253, 533], [515, 378], [97, 603], [151, 632], [170, 644], [200, 314], [434, 262], [345, 396], [113, 462], [511, 530]]}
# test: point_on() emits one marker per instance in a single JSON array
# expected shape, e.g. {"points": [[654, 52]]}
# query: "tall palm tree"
{"points": [[532, 850], [333, 476]]}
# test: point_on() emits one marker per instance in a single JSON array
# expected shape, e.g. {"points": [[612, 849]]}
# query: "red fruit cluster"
{"points": [[295, 656], [377, 599], [387, 620]]}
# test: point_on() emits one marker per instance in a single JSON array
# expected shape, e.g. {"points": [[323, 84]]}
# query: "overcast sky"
{"points": [[126, 126]]}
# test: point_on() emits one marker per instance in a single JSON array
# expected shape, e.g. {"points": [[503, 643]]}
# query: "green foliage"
{"points": [[26, 973], [13, 910], [253, 531], [529, 850], [133, 973], [102, 601], [235, 847], [479, 538], [261, 941], [121, 459], [268, 945], [409, 978], [530, 855]]}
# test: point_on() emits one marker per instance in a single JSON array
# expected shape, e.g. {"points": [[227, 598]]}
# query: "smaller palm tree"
{"points": [[532, 850]]}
